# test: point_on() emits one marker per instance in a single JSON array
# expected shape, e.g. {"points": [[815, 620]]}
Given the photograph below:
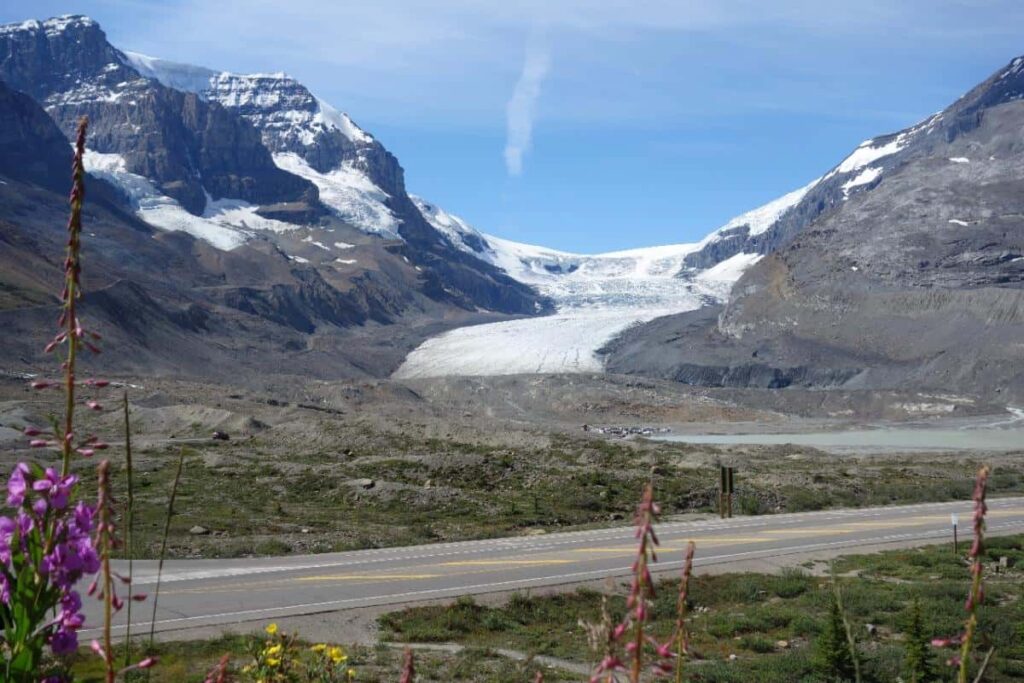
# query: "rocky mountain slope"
{"points": [[232, 158], [266, 303], [171, 304], [910, 275], [358, 180]]}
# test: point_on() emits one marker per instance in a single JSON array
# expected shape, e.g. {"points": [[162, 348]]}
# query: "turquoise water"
{"points": [[908, 439]]}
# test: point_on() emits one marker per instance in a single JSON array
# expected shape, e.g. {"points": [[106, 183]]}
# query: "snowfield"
{"points": [[225, 223]]}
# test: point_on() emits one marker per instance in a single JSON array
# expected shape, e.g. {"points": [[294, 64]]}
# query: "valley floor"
{"points": [[326, 466], [318, 466]]}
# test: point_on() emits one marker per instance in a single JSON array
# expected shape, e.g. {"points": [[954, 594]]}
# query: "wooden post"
{"points": [[728, 475], [721, 491]]}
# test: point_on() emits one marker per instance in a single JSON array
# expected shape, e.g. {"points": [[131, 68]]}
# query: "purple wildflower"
{"points": [[18, 485], [64, 642], [55, 487]]}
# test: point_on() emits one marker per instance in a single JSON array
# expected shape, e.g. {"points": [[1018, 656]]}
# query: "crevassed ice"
{"points": [[568, 341], [598, 297]]}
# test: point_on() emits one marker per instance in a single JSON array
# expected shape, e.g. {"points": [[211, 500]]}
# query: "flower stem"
{"points": [[129, 523], [163, 547], [72, 268], [976, 594], [105, 539]]}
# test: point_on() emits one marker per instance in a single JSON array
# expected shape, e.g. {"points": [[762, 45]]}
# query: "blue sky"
{"points": [[591, 125]]}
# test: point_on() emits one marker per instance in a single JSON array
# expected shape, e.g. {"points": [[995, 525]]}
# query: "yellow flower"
{"points": [[319, 647], [273, 661], [274, 650], [271, 629], [337, 655]]}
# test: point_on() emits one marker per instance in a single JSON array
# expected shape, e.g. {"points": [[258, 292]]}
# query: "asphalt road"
{"points": [[224, 592]]}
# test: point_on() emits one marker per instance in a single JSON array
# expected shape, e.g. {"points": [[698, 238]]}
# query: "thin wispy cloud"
{"points": [[521, 110]]}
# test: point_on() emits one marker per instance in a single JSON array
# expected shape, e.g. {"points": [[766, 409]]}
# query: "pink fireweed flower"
{"points": [[638, 604], [408, 668], [976, 593]]}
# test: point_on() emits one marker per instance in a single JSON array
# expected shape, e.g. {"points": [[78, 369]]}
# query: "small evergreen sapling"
{"points": [[919, 662]]}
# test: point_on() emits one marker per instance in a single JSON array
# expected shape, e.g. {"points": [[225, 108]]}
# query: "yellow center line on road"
{"points": [[503, 563], [259, 585], [360, 577], [489, 566], [851, 527], [808, 532], [701, 543]]}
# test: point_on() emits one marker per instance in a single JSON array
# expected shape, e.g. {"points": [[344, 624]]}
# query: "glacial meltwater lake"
{"points": [[990, 438]]}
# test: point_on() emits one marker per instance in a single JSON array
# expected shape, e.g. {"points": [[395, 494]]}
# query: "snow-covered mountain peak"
{"points": [[307, 136], [298, 112], [52, 26]]}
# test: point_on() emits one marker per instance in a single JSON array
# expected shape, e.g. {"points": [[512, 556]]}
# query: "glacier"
{"points": [[597, 297]]}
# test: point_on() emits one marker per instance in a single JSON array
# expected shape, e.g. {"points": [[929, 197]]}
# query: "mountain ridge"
{"points": [[913, 278], [318, 211], [202, 164]]}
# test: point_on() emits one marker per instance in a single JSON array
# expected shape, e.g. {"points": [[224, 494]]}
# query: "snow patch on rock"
{"points": [[349, 193], [225, 223], [867, 153], [764, 217], [453, 227], [865, 177]]}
